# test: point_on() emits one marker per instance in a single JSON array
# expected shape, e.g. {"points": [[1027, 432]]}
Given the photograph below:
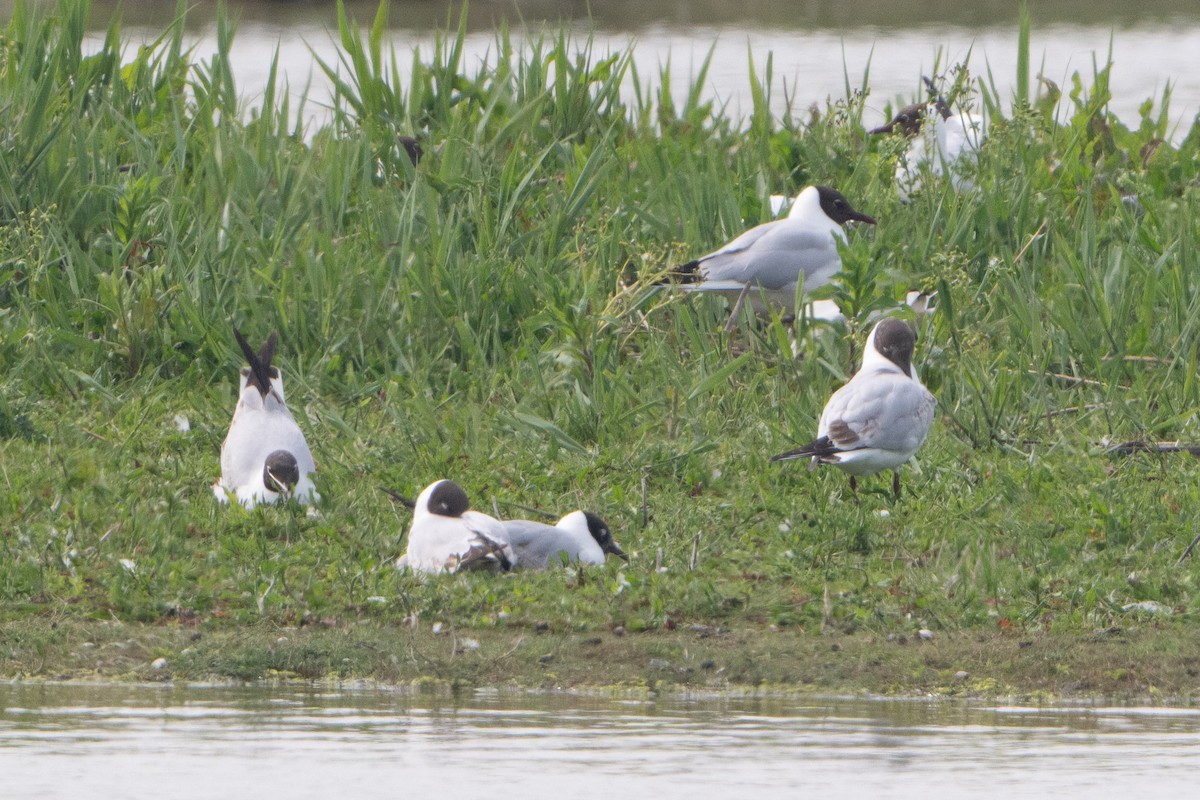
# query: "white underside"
{"points": [[436, 543], [257, 430]]}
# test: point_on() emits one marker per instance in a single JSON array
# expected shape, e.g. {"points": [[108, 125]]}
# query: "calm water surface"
{"points": [[113, 742]]}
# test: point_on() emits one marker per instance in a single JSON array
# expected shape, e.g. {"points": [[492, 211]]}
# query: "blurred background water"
{"points": [[818, 48]]}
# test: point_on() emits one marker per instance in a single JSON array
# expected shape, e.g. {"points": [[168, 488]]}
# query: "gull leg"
{"points": [[854, 487], [896, 484], [737, 309]]}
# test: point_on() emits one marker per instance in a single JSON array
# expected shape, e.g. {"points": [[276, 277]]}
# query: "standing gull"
{"points": [[880, 418], [264, 456], [774, 257]]}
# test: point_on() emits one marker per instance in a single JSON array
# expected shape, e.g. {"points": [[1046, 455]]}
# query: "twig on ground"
{"points": [[1127, 448], [1188, 550]]}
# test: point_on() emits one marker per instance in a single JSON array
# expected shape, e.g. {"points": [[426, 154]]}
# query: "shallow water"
{"points": [[72, 741]]}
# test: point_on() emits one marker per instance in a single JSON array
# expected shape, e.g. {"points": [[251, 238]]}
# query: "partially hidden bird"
{"points": [[941, 142]]}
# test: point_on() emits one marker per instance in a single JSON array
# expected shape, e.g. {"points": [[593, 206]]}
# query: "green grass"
{"points": [[489, 317]]}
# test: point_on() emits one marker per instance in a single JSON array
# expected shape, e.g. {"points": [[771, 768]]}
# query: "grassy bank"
{"points": [[488, 316]]}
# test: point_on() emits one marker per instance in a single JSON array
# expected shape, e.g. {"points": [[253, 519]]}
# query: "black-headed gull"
{"points": [[772, 258], [942, 141], [447, 536], [580, 536], [264, 456], [880, 417]]}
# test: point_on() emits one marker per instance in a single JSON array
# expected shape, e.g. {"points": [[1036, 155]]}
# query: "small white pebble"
{"points": [[158, 663], [377, 600], [503, 615], [925, 634], [716, 475], [312, 513], [468, 644], [785, 526], [182, 424], [281, 640], [884, 513], [129, 564], [961, 675], [662, 570], [437, 628]]}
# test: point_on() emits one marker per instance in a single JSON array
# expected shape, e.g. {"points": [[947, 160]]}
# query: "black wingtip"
{"points": [[688, 273], [819, 448], [399, 498], [684, 273], [260, 362], [530, 509], [266, 353]]}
